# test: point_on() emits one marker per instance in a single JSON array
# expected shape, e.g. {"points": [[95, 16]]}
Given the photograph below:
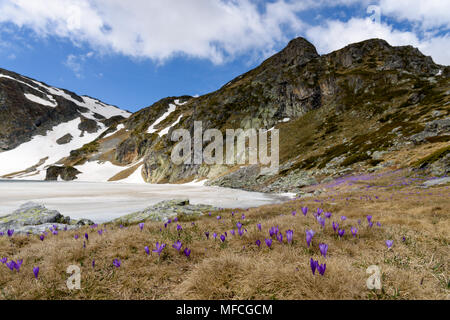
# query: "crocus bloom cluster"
{"points": [[10, 232], [323, 249], [335, 226], [177, 245], [315, 265], [268, 242], [159, 248]]}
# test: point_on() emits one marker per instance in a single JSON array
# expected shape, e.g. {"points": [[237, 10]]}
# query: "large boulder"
{"points": [[165, 210], [67, 173], [34, 218]]}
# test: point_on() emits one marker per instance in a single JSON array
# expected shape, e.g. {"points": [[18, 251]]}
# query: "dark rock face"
{"points": [[66, 173], [365, 80], [65, 139], [88, 125]]}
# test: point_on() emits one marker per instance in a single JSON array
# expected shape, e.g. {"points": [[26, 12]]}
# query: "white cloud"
{"points": [[335, 34], [160, 29], [429, 13], [219, 30]]}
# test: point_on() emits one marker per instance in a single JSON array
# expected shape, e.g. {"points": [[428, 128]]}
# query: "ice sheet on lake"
{"points": [[103, 202]]}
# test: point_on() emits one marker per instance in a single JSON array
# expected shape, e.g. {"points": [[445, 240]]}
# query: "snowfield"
{"points": [[103, 202]]}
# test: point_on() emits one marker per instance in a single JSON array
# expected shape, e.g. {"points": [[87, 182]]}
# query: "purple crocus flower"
{"points": [[268, 242], [238, 225], [55, 233], [214, 235], [179, 228], [222, 237], [369, 218], [165, 225], [86, 236], [177, 245], [403, 239], [304, 210], [321, 268], [343, 218], [319, 211], [233, 232], [41, 237], [389, 243], [370, 224], [294, 213], [259, 226], [141, 226], [175, 219], [341, 232], [100, 232], [280, 237], [289, 235], [309, 236], [335, 226], [243, 216], [36, 272], [84, 244], [321, 221], [313, 265], [18, 264], [327, 215], [10, 232], [65, 228], [3, 260], [76, 236], [116, 263], [147, 250], [159, 248], [323, 249], [378, 224], [359, 221], [354, 231], [241, 232], [169, 221], [207, 234], [218, 217], [121, 226], [11, 265], [187, 252], [93, 263], [258, 243]]}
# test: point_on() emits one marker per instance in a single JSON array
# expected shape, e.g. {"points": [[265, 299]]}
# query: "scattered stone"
{"points": [[64, 139]]}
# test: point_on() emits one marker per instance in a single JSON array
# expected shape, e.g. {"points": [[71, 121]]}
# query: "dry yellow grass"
{"points": [[416, 268]]}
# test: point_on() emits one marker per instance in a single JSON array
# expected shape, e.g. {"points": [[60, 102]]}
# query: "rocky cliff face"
{"points": [[333, 112]]}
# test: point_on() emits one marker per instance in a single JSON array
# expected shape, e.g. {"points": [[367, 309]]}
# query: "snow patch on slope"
{"points": [[39, 100], [96, 171], [166, 130], [29, 153], [171, 109]]}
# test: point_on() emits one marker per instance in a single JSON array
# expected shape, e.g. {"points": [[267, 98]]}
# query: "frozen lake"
{"points": [[104, 201]]}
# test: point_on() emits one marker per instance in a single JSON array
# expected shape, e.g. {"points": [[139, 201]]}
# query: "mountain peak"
{"points": [[297, 52]]}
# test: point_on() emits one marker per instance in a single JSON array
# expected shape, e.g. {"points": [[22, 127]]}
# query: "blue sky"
{"points": [[133, 53]]}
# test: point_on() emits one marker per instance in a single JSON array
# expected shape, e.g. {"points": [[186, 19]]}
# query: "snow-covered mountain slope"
{"points": [[41, 125]]}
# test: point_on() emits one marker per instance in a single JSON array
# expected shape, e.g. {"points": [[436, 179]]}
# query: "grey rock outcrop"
{"points": [[35, 218], [165, 210]]}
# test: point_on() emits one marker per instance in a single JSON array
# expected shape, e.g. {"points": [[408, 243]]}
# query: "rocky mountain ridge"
{"points": [[361, 108]]}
